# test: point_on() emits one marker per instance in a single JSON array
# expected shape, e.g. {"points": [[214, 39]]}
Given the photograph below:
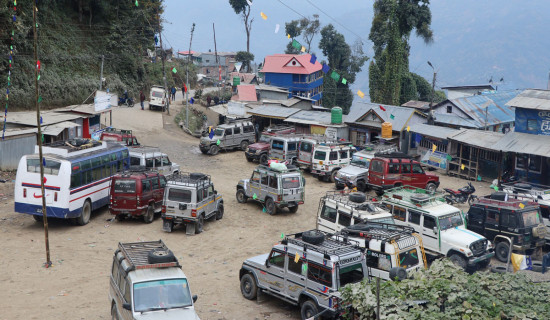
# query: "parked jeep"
{"points": [[307, 147], [119, 135], [259, 150], [147, 282], [356, 174], [284, 148], [157, 98], [328, 159], [235, 134], [153, 159], [441, 225], [273, 188], [499, 217], [190, 199], [136, 193], [305, 269]]}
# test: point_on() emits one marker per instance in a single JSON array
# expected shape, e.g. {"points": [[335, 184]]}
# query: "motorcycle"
{"points": [[129, 102], [461, 195]]}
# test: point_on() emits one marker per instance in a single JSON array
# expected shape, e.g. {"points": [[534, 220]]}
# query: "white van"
{"points": [[153, 159], [157, 98]]}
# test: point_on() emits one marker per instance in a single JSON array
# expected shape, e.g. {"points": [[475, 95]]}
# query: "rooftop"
{"points": [[477, 138], [433, 131], [524, 143], [532, 99], [401, 115], [420, 105], [245, 92], [470, 87], [291, 64], [276, 112]]}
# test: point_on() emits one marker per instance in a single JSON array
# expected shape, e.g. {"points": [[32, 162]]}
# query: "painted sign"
{"points": [[331, 133], [236, 81], [435, 159], [102, 100], [532, 121]]}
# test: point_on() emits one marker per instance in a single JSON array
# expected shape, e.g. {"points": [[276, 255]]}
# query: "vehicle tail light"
{"points": [[321, 162], [24, 192], [280, 197], [193, 213], [55, 196], [326, 168], [163, 209]]}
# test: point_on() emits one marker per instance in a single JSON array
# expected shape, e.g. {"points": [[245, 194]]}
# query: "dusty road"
{"points": [[77, 285]]}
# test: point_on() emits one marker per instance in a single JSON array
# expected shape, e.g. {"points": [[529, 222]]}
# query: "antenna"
{"points": [[548, 85]]}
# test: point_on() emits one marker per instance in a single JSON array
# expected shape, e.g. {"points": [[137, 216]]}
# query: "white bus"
{"points": [[77, 178]]}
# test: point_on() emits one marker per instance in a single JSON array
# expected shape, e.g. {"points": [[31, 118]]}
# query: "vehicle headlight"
{"points": [[258, 151], [340, 175]]}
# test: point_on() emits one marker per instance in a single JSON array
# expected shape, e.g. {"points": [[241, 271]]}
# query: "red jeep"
{"points": [[137, 193], [386, 173], [260, 150], [122, 136]]}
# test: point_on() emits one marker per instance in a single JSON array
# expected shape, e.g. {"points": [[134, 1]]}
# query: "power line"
{"points": [[358, 36], [298, 13]]}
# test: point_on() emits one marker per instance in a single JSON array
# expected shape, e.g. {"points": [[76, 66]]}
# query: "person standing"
{"points": [[141, 99], [208, 101], [173, 90]]}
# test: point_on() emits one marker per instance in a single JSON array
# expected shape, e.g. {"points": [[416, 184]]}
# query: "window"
{"points": [[295, 267], [273, 182], [277, 259], [291, 182], [305, 146], [344, 219], [114, 271], [228, 132], [530, 218], [333, 155], [319, 274], [449, 109], [124, 186], [292, 146], [414, 216], [492, 216], [97, 174], [255, 177], [399, 213], [476, 214], [76, 180], [509, 219], [320, 155], [264, 179], [405, 168], [145, 185], [534, 163], [162, 182], [127, 292], [199, 195], [247, 129], [545, 211], [277, 144], [377, 166], [417, 168], [351, 274], [429, 222], [343, 154], [532, 125], [393, 168], [179, 195], [205, 193], [378, 260], [450, 221], [408, 258], [329, 214], [50, 167], [236, 130]]}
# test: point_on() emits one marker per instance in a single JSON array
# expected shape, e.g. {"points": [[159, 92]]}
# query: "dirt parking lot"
{"points": [[77, 285]]}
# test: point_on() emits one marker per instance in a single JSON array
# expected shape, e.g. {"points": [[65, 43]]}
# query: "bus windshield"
{"points": [[50, 166]]}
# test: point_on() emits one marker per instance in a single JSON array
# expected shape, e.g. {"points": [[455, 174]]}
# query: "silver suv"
{"points": [[275, 189], [235, 134], [147, 282], [190, 199], [305, 269]]}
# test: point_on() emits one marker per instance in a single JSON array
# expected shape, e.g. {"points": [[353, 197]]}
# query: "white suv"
{"points": [[328, 159], [157, 98], [147, 283]]}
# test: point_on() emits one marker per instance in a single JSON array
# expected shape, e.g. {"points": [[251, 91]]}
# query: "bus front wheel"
{"points": [[84, 217]]}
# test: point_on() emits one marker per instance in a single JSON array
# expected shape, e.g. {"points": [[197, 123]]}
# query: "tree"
{"points": [[292, 29], [241, 7], [310, 27], [391, 28], [345, 61], [245, 58]]}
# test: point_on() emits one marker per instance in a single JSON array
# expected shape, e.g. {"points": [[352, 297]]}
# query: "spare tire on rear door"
{"points": [[358, 197], [398, 273], [160, 256], [313, 236]]}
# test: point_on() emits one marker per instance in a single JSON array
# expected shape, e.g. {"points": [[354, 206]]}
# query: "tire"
{"points": [[38, 218], [263, 159], [219, 214], [270, 206], [120, 217], [313, 237], [204, 151], [472, 199], [241, 196], [244, 145], [293, 209], [361, 186], [357, 197], [160, 256], [308, 310], [431, 187], [333, 176], [114, 315], [537, 266], [398, 274], [483, 264], [84, 217], [459, 260], [199, 225], [321, 178], [449, 200], [249, 159], [499, 269], [214, 149], [150, 215], [249, 288], [501, 251], [338, 187]]}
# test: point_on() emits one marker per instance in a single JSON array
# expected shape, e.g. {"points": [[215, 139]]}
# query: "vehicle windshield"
{"points": [[320, 155], [265, 138], [179, 195], [157, 94], [161, 295], [408, 258], [291, 182], [360, 161], [219, 132], [531, 218], [166, 161], [153, 162], [125, 186], [351, 274], [388, 220], [450, 221]]}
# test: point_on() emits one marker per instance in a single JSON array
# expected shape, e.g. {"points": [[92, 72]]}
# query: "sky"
{"points": [[474, 41]]}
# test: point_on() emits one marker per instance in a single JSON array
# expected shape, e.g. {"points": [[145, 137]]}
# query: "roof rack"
{"points": [[144, 149], [74, 144], [402, 235], [263, 166], [341, 197], [136, 253], [515, 202], [527, 189], [189, 179], [329, 247], [416, 196]]}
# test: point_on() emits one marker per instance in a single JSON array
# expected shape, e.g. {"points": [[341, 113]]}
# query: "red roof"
{"points": [[245, 92], [186, 52], [291, 64]]}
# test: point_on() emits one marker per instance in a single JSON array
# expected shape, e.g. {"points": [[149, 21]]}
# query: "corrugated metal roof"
{"points": [[420, 105], [532, 99], [433, 131], [281, 63], [56, 129], [524, 143], [488, 109], [246, 92], [477, 138], [482, 86], [452, 119], [266, 87], [19, 132], [274, 111], [310, 117], [48, 118], [82, 108], [401, 114]]}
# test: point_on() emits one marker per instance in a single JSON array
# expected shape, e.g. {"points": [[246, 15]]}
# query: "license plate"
{"points": [[183, 206]]}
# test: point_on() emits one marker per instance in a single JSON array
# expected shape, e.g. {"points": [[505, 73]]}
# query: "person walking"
{"points": [[141, 99], [208, 101], [173, 90]]}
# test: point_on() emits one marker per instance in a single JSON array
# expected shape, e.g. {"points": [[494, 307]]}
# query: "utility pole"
{"points": [[36, 74], [101, 74], [430, 112], [217, 62], [187, 79], [163, 57]]}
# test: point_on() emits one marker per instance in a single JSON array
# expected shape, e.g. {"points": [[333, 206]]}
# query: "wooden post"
{"points": [[470, 160], [477, 164], [460, 159]]}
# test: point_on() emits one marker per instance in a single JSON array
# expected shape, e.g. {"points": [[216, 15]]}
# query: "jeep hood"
{"points": [[352, 170], [460, 237], [259, 146], [258, 260], [207, 139], [170, 314]]}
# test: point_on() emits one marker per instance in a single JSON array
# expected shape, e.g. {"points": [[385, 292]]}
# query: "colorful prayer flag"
{"points": [[334, 75], [382, 108], [360, 94], [218, 142], [174, 70], [326, 68], [288, 35], [277, 26], [296, 44], [521, 262], [392, 116], [263, 15], [408, 128], [296, 258], [313, 59], [434, 147], [254, 196], [462, 167], [344, 81], [137, 4], [521, 205], [303, 49], [282, 235]]}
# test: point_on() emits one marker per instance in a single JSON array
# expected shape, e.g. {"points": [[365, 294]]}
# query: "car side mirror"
{"points": [[195, 297], [215, 191], [435, 230], [267, 263], [127, 306]]}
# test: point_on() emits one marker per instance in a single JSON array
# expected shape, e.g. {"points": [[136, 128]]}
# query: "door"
{"points": [[304, 153], [429, 237], [277, 149], [254, 185], [210, 200], [296, 275], [157, 191], [264, 187], [418, 176], [237, 136], [476, 219], [406, 173], [291, 150], [508, 222], [492, 227], [275, 272], [376, 172], [228, 140]]}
